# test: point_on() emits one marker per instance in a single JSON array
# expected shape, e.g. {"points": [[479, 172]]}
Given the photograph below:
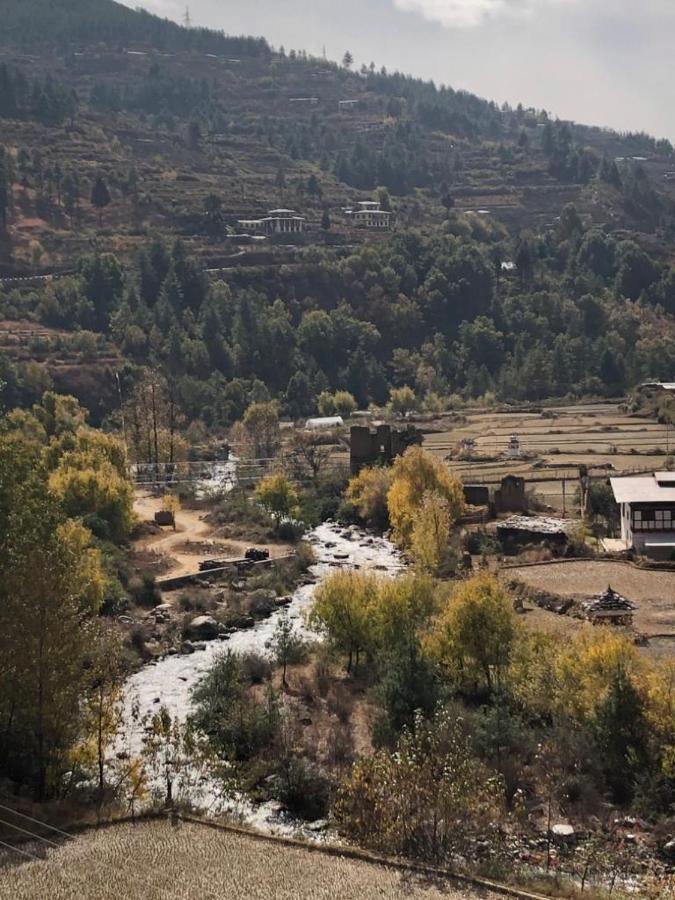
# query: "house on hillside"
{"points": [[277, 221], [647, 507], [369, 214]]}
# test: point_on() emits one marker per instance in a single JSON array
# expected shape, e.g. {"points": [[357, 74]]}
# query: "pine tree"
{"points": [[100, 197]]}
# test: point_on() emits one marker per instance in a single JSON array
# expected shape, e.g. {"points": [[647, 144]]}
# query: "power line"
{"points": [[22, 852], [37, 837], [36, 821]]}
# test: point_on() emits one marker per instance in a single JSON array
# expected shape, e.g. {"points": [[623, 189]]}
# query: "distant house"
{"points": [[647, 506], [609, 608], [277, 221], [369, 214]]}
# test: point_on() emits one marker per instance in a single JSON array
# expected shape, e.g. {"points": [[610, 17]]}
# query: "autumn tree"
{"points": [[277, 495], [153, 421], [402, 400], [414, 475], [475, 634], [368, 492], [309, 453], [50, 590], [92, 482], [429, 544], [341, 403], [342, 610], [258, 436], [429, 798]]}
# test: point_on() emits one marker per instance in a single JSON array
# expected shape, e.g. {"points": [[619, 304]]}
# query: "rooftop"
{"points": [[657, 488], [537, 524], [608, 603]]}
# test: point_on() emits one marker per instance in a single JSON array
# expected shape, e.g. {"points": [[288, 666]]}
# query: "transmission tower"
{"points": [[187, 20]]}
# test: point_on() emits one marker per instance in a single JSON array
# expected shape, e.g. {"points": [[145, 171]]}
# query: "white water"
{"points": [[170, 681]]}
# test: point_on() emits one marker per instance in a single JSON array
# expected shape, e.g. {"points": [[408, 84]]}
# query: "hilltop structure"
{"points": [[369, 214], [277, 221]]}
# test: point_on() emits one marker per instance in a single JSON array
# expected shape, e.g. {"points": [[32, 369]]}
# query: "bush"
{"points": [[144, 590], [115, 598], [303, 787], [237, 725], [290, 531], [255, 668]]}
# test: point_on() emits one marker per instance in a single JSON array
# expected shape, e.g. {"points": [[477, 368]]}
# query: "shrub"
{"points": [[144, 590], [303, 787], [255, 668]]}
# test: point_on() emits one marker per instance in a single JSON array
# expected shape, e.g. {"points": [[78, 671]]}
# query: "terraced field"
{"points": [[553, 445], [153, 861]]}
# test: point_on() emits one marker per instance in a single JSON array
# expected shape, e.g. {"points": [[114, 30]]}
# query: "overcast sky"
{"points": [[602, 62]]}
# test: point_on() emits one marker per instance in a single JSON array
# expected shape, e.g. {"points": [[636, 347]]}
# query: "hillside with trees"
{"points": [[531, 257]]}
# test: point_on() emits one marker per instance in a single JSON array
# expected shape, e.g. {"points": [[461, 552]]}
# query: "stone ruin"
{"points": [[379, 446]]}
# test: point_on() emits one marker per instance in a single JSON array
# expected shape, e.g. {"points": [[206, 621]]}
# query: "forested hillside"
{"points": [[530, 258]]}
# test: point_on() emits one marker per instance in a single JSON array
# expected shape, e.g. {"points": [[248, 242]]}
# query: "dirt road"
{"points": [[191, 529]]}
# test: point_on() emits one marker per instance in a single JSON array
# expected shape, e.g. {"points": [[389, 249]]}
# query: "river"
{"points": [[169, 681]]}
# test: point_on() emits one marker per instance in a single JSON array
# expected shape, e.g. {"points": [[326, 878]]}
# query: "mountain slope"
{"points": [[66, 23]]}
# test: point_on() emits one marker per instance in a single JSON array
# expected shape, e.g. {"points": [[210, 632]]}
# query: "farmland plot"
{"points": [[153, 861]]}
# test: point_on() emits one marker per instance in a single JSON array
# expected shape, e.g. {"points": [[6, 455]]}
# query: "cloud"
{"points": [[470, 13]]}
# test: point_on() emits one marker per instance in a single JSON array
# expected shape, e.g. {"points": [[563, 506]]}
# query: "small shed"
{"points": [[610, 608]]}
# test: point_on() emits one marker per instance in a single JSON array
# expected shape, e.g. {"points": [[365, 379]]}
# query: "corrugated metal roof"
{"points": [[641, 489]]}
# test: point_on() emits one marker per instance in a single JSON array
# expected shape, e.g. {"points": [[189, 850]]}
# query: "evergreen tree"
{"points": [[100, 197]]}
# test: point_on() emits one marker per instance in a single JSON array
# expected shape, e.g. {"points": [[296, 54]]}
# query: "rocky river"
{"points": [[169, 681]]}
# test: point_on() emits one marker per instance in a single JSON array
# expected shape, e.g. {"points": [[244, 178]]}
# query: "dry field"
{"points": [[592, 434], [652, 591], [153, 861]]}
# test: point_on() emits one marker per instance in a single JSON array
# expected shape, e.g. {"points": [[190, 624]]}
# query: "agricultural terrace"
{"points": [[553, 444], [154, 861]]}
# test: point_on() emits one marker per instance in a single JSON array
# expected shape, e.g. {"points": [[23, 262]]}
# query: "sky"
{"points": [[600, 62]]}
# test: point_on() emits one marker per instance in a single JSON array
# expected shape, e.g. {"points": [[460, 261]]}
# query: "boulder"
{"points": [[187, 647], [204, 628]]}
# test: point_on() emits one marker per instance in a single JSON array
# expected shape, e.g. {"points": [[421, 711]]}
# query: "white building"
{"points": [[369, 214], [647, 505], [277, 221]]}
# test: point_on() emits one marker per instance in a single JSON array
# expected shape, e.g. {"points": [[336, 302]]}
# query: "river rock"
{"points": [[563, 831], [203, 627], [668, 851], [187, 647]]}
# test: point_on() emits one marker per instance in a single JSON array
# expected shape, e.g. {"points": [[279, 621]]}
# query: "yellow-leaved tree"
{"points": [[429, 542], [416, 474], [92, 482], [368, 492], [474, 636], [343, 609], [277, 495], [50, 593]]}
